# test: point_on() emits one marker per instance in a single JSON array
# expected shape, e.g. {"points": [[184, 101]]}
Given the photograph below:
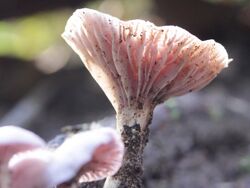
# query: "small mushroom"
{"points": [[14, 140], [86, 156], [139, 65], [30, 169], [93, 155]]}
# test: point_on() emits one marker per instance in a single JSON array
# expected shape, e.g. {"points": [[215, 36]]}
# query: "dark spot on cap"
{"points": [[140, 105]]}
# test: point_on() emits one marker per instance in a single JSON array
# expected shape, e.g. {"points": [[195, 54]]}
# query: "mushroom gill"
{"points": [[136, 62]]}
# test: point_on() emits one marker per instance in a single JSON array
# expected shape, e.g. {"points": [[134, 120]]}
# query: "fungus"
{"points": [[86, 156], [14, 140], [93, 155], [139, 65], [30, 169]]}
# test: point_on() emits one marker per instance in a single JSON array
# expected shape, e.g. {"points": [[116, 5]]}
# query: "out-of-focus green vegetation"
{"points": [[172, 106], [245, 164], [27, 37], [129, 9]]}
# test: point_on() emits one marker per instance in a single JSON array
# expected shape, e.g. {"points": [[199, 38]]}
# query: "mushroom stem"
{"points": [[132, 124]]}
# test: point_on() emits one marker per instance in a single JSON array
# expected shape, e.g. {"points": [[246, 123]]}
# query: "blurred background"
{"points": [[201, 140]]}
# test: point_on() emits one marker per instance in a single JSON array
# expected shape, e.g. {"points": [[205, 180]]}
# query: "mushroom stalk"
{"points": [[132, 124]]}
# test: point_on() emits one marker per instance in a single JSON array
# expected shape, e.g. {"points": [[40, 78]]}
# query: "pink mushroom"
{"points": [[86, 156], [94, 155], [30, 169], [14, 140], [139, 65]]}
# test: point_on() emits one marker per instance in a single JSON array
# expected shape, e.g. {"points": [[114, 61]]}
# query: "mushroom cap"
{"points": [[137, 61], [86, 156], [30, 169], [14, 139], [93, 155]]}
